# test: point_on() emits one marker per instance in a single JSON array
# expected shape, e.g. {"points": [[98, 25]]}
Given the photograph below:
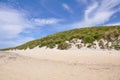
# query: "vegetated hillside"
{"points": [[107, 37]]}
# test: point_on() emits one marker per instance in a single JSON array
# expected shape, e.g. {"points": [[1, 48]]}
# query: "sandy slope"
{"points": [[59, 65]]}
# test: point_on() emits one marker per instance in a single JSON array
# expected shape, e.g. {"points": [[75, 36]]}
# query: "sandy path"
{"points": [[59, 66]]}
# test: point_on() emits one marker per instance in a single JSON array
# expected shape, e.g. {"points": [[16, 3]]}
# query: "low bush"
{"points": [[64, 46], [88, 35], [117, 47]]}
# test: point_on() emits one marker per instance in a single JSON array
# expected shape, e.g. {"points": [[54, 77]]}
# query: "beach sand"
{"points": [[42, 64]]}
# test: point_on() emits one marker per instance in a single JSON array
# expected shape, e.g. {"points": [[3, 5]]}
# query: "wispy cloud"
{"points": [[98, 13], [67, 7], [12, 22], [46, 21], [83, 1], [112, 24], [90, 10]]}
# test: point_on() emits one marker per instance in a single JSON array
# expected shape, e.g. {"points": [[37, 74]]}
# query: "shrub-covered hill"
{"points": [[86, 36]]}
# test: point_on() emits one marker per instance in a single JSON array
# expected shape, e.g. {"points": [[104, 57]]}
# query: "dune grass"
{"points": [[88, 35]]}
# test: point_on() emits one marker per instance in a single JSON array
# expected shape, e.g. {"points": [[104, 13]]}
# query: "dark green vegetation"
{"points": [[87, 35]]}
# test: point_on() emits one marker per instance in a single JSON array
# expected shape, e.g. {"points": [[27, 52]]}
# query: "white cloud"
{"points": [[90, 10], [98, 13], [67, 7], [47, 21], [112, 24], [83, 1], [12, 22]]}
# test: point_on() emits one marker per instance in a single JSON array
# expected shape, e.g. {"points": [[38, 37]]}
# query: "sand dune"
{"points": [[58, 65]]}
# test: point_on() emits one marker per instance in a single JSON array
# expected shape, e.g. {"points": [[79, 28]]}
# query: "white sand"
{"points": [[53, 64], [72, 55]]}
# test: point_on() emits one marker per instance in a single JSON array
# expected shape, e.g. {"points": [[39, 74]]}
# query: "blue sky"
{"points": [[25, 20]]}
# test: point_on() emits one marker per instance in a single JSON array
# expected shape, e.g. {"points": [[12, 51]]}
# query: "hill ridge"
{"points": [[107, 37]]}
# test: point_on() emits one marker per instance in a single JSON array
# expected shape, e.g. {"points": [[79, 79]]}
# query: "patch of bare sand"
{"points": [[58, 65]]}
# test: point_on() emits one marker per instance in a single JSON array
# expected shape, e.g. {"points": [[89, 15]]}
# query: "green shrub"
{"points": [[51, 45], [117, 47], [64, 46], [88, 35], [88, 39]]}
